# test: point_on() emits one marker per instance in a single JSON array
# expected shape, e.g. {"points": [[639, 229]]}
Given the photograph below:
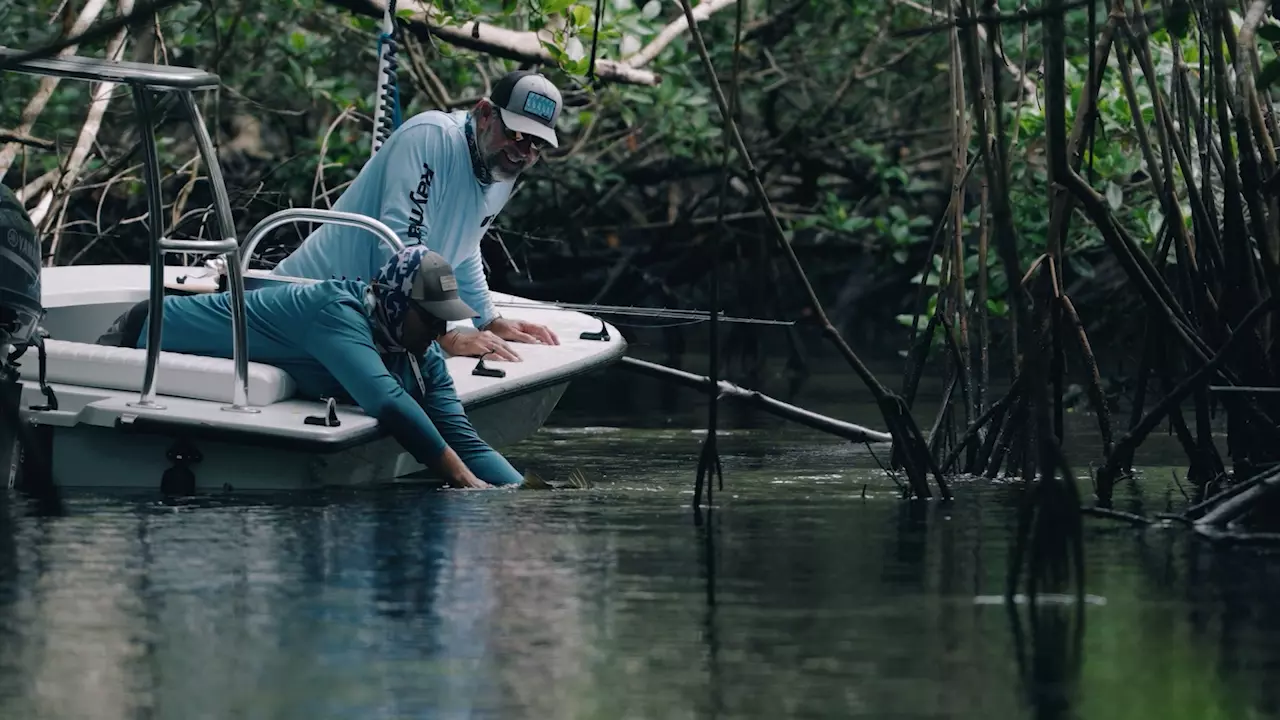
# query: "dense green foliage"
{"points": [[859, 185]]}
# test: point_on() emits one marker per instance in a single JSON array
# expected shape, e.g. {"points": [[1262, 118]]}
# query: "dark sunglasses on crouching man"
{"points": [[436, 326]]}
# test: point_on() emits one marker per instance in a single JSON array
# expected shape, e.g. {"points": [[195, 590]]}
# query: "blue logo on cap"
{"points": [[540, 105]]}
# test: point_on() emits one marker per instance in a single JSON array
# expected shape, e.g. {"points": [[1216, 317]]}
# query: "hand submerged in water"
{"points": [[457, 472], [468, 481]]}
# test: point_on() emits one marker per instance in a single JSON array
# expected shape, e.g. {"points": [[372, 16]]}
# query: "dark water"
{"points": [[812, 590]]}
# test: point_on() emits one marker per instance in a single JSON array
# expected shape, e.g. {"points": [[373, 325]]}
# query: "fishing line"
{"points": [[664, 313], [659, 326]]}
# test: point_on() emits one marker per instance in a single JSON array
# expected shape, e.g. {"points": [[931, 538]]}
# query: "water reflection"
{"points": [[796, 595], [1049, 656]]}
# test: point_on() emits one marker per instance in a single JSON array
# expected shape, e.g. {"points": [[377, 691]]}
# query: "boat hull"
{"points": [[89, 456]]}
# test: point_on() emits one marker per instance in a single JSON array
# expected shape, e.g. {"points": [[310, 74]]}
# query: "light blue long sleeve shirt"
{"points": [[422, 185], [321, 334]]}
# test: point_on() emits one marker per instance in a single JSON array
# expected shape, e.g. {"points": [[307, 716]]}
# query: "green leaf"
{"points": [[1115, 196], [297, 40], [551, 7], [1270, 33], [581, 15], [1269, 75], [556, 53]]}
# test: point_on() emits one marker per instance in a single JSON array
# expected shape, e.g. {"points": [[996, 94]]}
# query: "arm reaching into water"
{"points": [[340, 343]]}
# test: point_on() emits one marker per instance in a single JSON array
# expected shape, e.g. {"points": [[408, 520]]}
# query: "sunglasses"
{"points": [[518, 137], [435, 325]]}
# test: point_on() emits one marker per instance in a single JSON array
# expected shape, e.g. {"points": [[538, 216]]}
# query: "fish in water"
{"points": [[577, 480]]}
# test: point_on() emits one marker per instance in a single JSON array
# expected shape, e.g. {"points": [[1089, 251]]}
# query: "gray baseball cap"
{"points": [[435, 288], [529, 104]]}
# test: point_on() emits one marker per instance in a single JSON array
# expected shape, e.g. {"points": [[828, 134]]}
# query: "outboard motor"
{"points": [[21, 312], [20, 306]]}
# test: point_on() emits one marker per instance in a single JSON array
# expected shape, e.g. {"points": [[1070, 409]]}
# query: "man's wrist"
{"points": [[490, 323]]}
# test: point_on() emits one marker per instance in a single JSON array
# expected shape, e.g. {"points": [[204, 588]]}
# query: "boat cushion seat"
{"points": [[179, 375]]}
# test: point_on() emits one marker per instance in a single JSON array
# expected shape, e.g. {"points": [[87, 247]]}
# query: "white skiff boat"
{"points": [[126, 417], [100, 437]]}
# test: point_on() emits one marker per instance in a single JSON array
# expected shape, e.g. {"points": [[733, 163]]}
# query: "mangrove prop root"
{"points": [[1238, 505], [1095, 378], [915, 368], [1015, 418], [978, 462], [901, 424], [993, 414], [1227, 493], [944, 409], [1125, 447]]}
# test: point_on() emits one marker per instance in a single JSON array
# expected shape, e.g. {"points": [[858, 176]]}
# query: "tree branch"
{"points": [[526, 46], [100, 98], [673, 29], [21, 138], [35, 106], [1028, 86]]}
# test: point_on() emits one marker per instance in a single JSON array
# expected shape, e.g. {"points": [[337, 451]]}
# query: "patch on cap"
{"points": [[448, 283], [539, 105]]}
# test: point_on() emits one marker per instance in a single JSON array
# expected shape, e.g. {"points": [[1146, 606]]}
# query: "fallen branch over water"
{"points": [[840, 428], [527, 45]]}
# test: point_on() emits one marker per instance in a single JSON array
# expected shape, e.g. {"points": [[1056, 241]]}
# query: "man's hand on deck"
{"points": [[523, 331], [474, 343]]}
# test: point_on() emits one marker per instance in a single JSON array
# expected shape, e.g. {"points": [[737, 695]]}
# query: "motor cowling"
{"points": [[21, 307]]}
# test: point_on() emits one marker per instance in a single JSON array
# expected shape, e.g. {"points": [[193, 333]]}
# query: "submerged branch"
{"points": [[786, 411]]}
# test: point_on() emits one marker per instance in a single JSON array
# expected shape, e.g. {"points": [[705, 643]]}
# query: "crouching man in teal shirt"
{"points": [[356, 341]]}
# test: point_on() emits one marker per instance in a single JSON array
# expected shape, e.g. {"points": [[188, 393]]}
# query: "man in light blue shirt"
{"points": [[440, 179]]}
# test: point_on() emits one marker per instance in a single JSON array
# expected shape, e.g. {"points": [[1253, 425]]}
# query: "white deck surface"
{"points": [[73, 291]]}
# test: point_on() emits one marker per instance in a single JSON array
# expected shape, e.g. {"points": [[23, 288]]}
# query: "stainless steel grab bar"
{"points": [[333, 217], [199, 246], [227, 247]]}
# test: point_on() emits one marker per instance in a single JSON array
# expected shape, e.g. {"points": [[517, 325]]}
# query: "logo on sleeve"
{"points": [[419, 196]]}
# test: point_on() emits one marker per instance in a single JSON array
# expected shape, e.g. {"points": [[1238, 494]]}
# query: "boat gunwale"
{"points": [[157, 424]]}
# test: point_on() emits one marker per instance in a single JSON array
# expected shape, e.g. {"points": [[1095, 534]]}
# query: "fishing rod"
{"points": [[659, 313]]}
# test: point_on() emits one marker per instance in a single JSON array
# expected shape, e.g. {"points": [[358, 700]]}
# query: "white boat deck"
{"points": [[82, 301]]}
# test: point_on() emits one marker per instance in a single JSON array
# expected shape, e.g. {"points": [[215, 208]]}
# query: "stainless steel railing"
{"points": [[145, 77], [333, 217], [142, 78], [227, 247]]}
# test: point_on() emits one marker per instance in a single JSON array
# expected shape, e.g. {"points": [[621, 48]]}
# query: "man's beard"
{"points": [[495, 161]]}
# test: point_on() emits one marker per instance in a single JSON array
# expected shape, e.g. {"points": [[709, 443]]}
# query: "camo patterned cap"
{"points": [[425, 277]]}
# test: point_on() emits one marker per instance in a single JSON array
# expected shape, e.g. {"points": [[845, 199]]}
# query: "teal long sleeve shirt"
{"points": [[321, 334], [422, 185]]}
